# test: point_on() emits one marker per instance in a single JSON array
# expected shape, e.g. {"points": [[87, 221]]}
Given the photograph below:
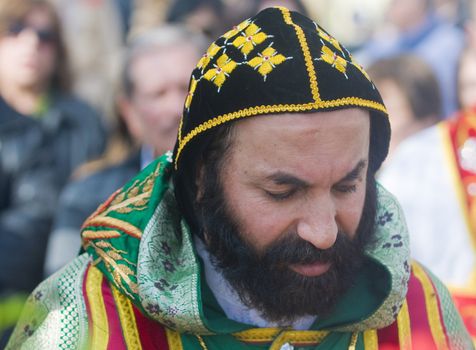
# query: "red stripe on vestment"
{"points": [[116, 340], [388, 337], [152, 334], [422, 337]]}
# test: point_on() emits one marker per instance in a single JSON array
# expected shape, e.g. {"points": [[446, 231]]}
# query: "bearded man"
{"points": [[265, 227]]}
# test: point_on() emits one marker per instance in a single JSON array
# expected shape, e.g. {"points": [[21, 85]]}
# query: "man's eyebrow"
{"points": [[355, 173], [282, 178]]}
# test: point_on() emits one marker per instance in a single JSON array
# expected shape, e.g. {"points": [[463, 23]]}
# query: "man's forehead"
{"points": [[307, 146]]}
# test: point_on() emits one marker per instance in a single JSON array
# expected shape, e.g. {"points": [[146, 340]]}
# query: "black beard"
{"points": [[264, 280]]}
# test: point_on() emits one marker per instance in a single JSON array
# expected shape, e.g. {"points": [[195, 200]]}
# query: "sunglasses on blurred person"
{"points": [[45, 36]]}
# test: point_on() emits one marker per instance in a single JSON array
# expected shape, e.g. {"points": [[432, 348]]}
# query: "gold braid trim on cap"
{"points": [[306, 53], [254, 111]]}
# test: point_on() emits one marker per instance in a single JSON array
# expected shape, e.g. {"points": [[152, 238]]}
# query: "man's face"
{"points": [[160, 81], [292, 192], [298, 173]]}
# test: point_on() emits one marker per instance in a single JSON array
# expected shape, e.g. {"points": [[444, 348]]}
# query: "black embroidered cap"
{"points": [[275, 62]]}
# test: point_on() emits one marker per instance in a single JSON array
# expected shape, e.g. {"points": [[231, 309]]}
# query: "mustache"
{"points": [[291, 250]]}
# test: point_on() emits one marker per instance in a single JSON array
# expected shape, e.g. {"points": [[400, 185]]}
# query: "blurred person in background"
{"points": [[45, 133], [433, 175], [146, 15], [413, 26], [154, 84], [205, 16], [411, 93], [94, 33], [455, 11]]}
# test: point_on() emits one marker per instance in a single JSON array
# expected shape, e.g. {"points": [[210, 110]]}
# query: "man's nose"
{"points": [[317, 224]]}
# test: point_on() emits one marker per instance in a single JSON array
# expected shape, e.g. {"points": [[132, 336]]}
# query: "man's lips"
{"points": [[311, 270]]}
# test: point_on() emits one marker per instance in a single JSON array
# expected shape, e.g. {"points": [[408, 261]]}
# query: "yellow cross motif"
{"points": [[266, 61], [205, 60], [222, 70], [193, 86], [236, 29], [249, 39], [329, 56], [328, 38]]}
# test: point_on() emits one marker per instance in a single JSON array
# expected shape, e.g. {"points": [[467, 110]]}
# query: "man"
{"points": [[264, 228], [150, 106]]}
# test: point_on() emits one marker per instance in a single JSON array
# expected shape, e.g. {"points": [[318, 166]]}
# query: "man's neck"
{"points": [[230, 302]]}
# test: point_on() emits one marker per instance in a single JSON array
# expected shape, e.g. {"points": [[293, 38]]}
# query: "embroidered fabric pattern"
{"points": [[113, 221], [452, 321], [73, 311], [169, 265], [56, 313], [392, 251]]}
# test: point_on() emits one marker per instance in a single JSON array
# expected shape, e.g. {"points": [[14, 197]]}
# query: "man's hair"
{"points": [[157, 39], [16, 11], [415, 79]]}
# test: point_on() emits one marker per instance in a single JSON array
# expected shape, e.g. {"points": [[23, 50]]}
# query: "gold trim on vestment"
{"points": [[128, 320], [432, 307], [404, 328], [456, 178], [371, 339], [173, 339], [100, 326]]}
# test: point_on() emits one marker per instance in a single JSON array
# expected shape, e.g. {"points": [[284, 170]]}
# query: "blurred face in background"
{"points": [[28, 52], [399, 111], [467, 80], [160, 80], [407, 14]]}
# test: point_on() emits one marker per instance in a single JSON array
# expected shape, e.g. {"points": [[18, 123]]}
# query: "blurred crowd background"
{"points": [[92, 90]]}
